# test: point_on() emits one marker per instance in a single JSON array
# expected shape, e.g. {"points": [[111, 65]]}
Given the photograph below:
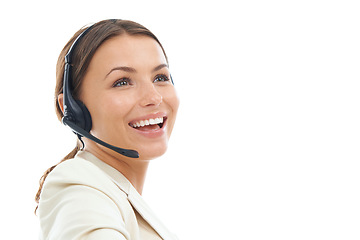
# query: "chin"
{"points": [[149, 152]]}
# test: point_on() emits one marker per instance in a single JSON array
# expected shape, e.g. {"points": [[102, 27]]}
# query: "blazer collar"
{"points": [[133, 196]]}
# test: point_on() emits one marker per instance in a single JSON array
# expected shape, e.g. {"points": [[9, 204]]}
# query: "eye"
{"points": [[122, 82], [161, 78]]}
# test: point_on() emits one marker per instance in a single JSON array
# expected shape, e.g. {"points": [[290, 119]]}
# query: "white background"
{"points": [[266, 145]]}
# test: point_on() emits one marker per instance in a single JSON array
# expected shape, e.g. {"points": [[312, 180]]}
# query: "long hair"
{"points": [[82, 55]]}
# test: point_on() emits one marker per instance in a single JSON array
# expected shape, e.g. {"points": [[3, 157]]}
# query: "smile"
{"points": [[148, 122], [151, 125]]}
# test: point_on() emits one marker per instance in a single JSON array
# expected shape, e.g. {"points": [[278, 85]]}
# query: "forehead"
{"points": [[133, 51]]}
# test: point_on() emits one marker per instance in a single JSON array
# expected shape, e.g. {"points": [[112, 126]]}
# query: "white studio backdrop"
{"points": [[266, 144]]}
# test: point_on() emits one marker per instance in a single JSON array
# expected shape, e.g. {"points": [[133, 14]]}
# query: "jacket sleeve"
{"points": [[73, 206]]}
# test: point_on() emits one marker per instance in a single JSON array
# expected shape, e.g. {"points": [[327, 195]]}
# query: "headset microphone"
{"points": [[76, 115], [82, 132]]}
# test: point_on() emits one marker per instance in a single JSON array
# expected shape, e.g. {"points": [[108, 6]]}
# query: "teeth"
{"points": [[159, 120], [142, 123], [147, 122]]}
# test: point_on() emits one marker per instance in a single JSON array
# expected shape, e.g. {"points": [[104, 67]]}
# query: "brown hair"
{"points": [[82, 55]]}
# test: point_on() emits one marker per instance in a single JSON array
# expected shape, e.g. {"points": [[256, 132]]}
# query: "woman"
{"points": [[116, 77]]}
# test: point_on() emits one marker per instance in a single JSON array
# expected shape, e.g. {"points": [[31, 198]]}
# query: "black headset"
{"points": [[76, 115]]}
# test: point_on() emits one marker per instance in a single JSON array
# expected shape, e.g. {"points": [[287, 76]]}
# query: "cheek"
{"points": [[117, 102], [110, 109], [173, 102]]}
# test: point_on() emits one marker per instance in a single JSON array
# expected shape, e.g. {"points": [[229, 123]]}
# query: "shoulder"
{"points": [[79, 197], [81, 173], [76, 171]]}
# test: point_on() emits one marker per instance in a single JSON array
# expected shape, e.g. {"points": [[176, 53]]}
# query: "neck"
{"points": [[133, 169]]}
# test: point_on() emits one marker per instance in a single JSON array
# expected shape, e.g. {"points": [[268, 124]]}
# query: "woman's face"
{"points": [[129, 94]]}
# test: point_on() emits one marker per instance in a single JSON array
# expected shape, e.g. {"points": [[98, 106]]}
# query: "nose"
{"points": [[150, 96]]}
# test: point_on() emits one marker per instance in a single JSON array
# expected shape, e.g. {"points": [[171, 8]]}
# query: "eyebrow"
{"points": [[160, 67], [133, 70]]}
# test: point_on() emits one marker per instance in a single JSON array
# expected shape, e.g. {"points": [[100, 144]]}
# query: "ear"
{"points": [[61, 101]]}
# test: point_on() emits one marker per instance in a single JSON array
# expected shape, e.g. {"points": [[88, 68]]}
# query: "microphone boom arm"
{"points": [[126, 152]]}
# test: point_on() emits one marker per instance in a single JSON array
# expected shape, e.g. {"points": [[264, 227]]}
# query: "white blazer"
{"points": [[84, 198]]}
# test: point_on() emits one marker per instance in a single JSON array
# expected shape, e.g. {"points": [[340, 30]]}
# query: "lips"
{"points": [[149, 123]]}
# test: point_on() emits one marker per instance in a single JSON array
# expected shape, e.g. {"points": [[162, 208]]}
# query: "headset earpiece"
{"points": [[85, 118], [74, 110]]}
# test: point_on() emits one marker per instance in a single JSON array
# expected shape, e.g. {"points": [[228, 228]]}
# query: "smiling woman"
{"points": [[120, 80], [128, 80]]}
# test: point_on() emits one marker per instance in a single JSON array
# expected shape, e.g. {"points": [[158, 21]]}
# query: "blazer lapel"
{"points": [[133, 196], [144, 210]]}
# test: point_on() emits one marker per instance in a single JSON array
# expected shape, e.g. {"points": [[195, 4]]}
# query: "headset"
{"points": [[76, 115]]}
